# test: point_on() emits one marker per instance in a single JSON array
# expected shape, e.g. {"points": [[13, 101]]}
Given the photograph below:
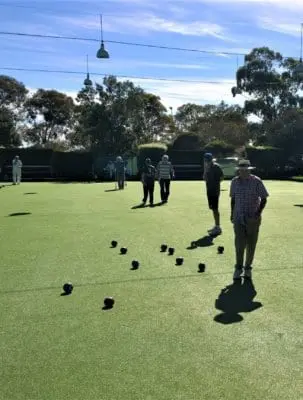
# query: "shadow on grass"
{"points": [[139, 206], [206, 241], [19, 214], [111, 190], [298, 205], [65, 294], [30, 193], [91, 284], [107, 308], [235, 299]]}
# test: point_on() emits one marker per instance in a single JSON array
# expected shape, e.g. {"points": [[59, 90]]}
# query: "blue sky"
{"points": [[218, 25]]}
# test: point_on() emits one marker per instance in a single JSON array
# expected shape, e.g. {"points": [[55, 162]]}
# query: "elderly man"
{"points": [[17, 170], [248, 200], [120, 172], [165, 173], [213, 175]]}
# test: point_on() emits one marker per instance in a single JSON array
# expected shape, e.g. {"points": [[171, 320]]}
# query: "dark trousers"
{"points": [[164, 191], [148, 190], [120, 180], [246, 238]]}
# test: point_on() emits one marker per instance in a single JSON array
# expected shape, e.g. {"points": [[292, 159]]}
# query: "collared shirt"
{"points": [[213, 176], [247, 194], [149, 173], [165, 170], [17, 163]]}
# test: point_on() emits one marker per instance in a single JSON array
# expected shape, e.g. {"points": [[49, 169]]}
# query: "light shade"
{"points": [[102, 53], [298, 71], [87, 81]]}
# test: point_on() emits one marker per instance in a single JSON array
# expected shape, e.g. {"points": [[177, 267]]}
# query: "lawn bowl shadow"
{"points": [[235, 299], [19, 214], [65, 294], [206, 241], [298, 205], [30, 193], [106, 308], [111, 190]]}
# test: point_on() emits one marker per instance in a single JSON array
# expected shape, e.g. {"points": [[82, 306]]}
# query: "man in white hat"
{"points": [[17, 170], [248, 200]]}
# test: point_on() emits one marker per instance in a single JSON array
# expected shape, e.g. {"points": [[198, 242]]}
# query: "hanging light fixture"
{"points": [[102, 53], [87, 81], [298, 71]]}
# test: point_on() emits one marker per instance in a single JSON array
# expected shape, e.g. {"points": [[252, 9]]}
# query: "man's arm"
{"points": [[232, 201], [262, 206], [172, 171], [263, 194]]}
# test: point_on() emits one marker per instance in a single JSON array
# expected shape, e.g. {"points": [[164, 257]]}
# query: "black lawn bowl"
{"points": [[201, 267], [179, 261], [123, 250], [220, 250], [163, 248], [114, 244], [108, 303], [135, 264], [68, 288], [171, 251]]}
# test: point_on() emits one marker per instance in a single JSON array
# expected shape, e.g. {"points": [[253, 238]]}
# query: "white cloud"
{"points": [[280, 25], [147, 23]]}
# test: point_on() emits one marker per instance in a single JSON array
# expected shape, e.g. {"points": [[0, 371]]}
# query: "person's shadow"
{"points": [[206, 241], [235, 299]]}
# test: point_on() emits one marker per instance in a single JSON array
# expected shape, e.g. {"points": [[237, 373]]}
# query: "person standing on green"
{"points": [[148, 180], [213, 175], [120, 172]]}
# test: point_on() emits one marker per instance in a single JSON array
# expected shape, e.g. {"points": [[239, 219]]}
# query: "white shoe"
{"points": [[238, 273]]}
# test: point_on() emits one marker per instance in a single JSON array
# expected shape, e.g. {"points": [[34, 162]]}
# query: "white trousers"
{"points": [[16, 176]]}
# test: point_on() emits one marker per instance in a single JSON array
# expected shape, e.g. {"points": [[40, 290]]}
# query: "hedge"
{"points": [[187, 141], [72, 165], [28, 156], [269, 161], [219, 149], [154, 151]]}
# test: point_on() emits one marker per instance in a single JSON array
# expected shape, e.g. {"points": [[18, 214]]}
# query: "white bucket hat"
{"points": [[244, 164]]}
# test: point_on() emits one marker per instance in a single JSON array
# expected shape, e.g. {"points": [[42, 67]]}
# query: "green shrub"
{"points": [[154, 151], [187, 141], [219, 149], [72, 165], [269, 161]]}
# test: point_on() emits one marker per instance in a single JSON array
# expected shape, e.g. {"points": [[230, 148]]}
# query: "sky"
{"points": [[232, 26]]}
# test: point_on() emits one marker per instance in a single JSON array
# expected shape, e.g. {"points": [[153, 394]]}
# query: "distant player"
{"points": [[165, 173], [120, 172], [17, 170], [148, 180], [213, 175]]}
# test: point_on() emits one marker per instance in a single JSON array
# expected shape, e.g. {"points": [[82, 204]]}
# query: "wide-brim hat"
{"points": [[244, 164]]}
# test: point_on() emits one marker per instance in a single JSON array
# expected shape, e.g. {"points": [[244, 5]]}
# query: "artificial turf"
{"points": [[167, 337]]}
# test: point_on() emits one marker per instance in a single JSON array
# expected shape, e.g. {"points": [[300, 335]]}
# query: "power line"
{"points": [[148, 78], [104, 75], [58, 37]]}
